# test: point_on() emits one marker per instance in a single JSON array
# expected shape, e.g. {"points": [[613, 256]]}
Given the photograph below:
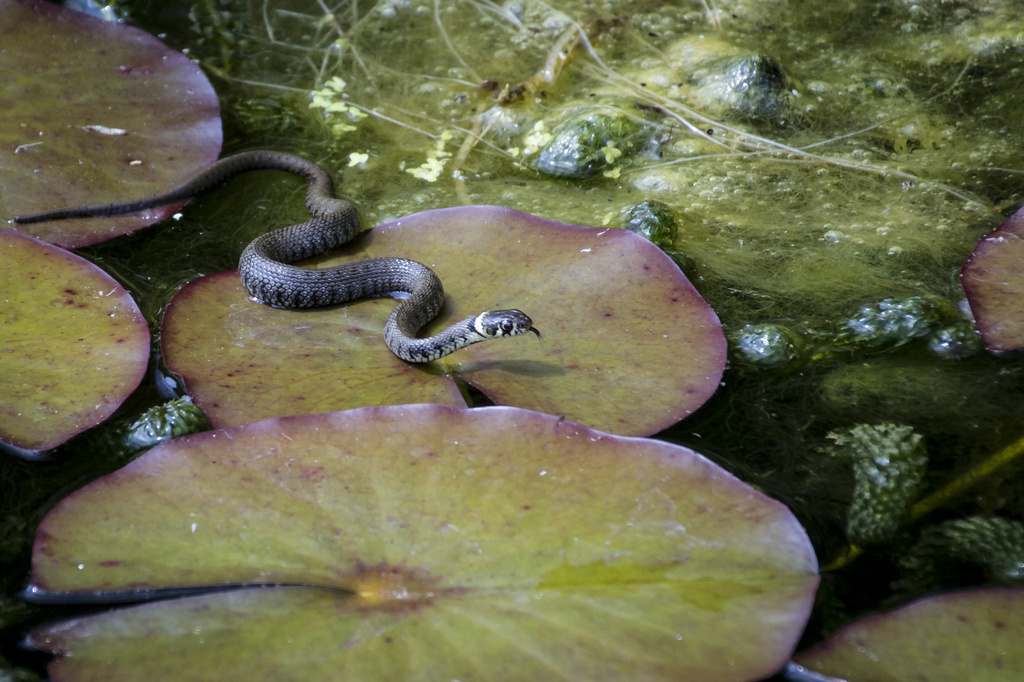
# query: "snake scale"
{"points": [[266, 274]]}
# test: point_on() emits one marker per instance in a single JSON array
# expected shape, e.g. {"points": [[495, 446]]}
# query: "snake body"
{"points": [[266, 274]]}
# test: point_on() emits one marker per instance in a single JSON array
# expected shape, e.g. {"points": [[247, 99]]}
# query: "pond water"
{"points": [[815, 158]]}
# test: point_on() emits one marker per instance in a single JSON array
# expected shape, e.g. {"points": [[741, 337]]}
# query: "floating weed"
{"points": [[430, 170], [329, 100]]}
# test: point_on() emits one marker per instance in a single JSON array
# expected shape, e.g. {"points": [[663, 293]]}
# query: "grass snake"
{"points": [[266, 274]]}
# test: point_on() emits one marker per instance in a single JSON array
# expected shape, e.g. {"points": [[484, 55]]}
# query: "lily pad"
{"points": [[95, 112], [967, 635], [628, 346], [993, 280], [73, 344], [424, 542]]}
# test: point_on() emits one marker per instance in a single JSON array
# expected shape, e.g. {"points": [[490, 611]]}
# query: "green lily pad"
{"points": [[628, 346], [424, 542], [967, 635], [993, 281], [95, 112], [73, 344]]}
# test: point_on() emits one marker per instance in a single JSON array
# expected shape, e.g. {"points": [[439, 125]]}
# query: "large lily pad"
{"points": [[95, 112], [993, 279], [73, 344], [970, 635], [423, 542], [628, 345]]}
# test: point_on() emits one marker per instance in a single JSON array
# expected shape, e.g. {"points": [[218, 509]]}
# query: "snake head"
{"points": [[497, 324]]}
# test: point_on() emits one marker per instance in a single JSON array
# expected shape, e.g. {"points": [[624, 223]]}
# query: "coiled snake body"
{"points": [[266, 274]]}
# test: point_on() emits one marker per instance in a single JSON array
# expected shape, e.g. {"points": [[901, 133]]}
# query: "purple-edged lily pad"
{"points": [[95, 112], [628, 346], [424, 542], [993, 279], [73, 344], [969, 635]]}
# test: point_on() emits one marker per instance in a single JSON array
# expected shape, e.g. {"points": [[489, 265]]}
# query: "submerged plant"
{"points": [[590, 142], [220, 31], [992, 543], [163, 422], [889, 461], [767, 345], [956, 341], [749, 86], [656, 221], [889, 323]]}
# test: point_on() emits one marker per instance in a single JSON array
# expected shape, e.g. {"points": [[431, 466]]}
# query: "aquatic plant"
{"points": [[767, 345], [435, 543], [995, 543], [889, 323], [942, 638], [889, 462], [901, 146], [172, 419], [592, 293], [164, 127], [73, 344], [655, 221], [638, 64], [956, 341], [591, 141], [993, 282], [330, 100], [952, 552]]}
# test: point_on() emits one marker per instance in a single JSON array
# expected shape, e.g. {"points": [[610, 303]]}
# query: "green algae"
{"points": [[905, 390], [854, 217]]}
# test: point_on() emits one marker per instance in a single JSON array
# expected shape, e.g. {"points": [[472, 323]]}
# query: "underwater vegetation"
{"points": [[590, 142], [163, 422], [889, 462]]}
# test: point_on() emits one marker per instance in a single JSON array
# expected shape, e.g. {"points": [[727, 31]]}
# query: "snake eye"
{"points": [[506, 326]]}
